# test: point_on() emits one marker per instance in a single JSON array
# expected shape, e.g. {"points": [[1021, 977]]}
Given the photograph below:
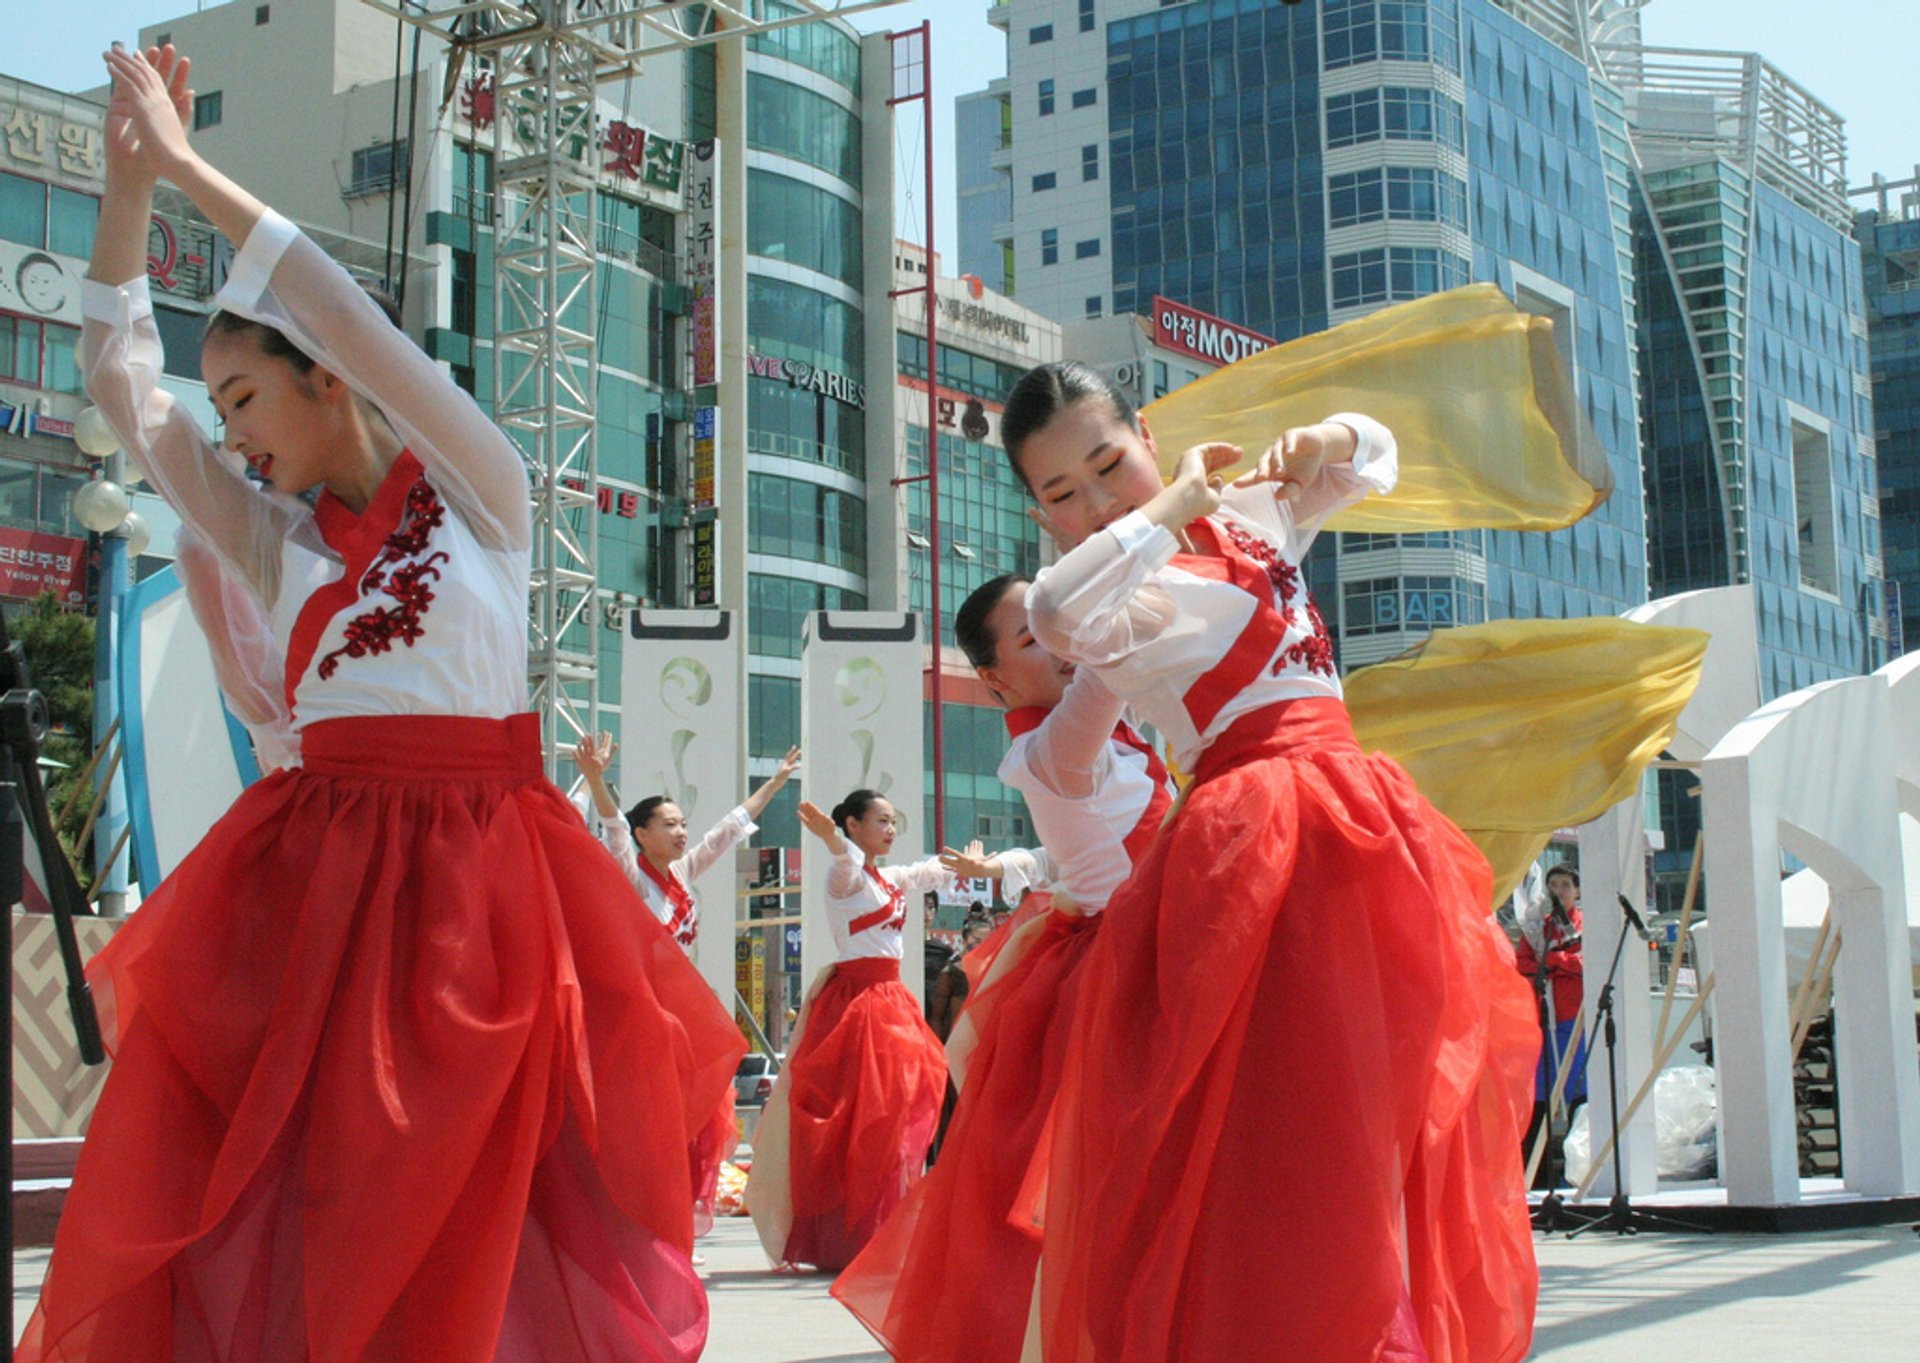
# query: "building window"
{"points": [[1050, 246], [1397, 113], [1813, 506], [262, 14], [1093, 306], [1395, 273], [1086, 99], [1356, 31], [1044, 182], [1354, 198], [1353, 118], [1040, 33], [1086, 16], [40, 354], [1046, 98], [206, 110], [377, 169], [1086, 250], [1545, 298], [1090, 163]]}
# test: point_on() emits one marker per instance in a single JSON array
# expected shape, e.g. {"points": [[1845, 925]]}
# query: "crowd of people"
{"points": [[405, 951]]}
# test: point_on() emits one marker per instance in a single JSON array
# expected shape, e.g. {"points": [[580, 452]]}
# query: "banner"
{"points": [[680, 737], [861, 718], [702, 255], [32, 563]]}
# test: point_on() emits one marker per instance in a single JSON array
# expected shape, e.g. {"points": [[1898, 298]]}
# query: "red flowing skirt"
{"points": [[976, 963], [401, 1072], [864, 1098], [949, 1278], [714, 1146], [1298, 1082]]}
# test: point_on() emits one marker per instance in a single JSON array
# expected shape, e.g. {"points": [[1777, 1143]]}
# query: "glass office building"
{"points": [[1889, 234]]}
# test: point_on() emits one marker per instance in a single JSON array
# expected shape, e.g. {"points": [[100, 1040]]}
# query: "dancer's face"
{"points": [[1023, 673], [664, 836], [283, 422], [1087, 469], [873, 832]]}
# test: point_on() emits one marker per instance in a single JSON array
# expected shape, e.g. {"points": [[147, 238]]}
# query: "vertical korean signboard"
{"points": [[703, 260], [706, 429]]}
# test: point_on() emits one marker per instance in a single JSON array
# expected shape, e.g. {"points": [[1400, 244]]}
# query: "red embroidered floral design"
{"points": [[1315, 650], [409, 584]]}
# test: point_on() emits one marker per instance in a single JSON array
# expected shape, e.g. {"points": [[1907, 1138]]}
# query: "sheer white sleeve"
{"points": [[247, 660], [1374, 470], [917, 877], [1026, 868], [282, 279], [206, 485], [722, 838], [617, 837], [1100, 602], [845, 871], [1064, 750]]}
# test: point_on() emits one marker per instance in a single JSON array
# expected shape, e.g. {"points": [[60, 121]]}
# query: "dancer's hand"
{"points": [[788, 765], [594, 754], [1293, 462], [815, 820], [1195, 489], [973, 863], [149, 112], [1059, 901]]}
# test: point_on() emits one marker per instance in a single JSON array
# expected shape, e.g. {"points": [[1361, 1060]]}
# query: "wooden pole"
{"points": [[1803, 1022], [1660, 1059], [1806, 976], [1680, 938], [100, 881], [106, 784], [85, 783]]}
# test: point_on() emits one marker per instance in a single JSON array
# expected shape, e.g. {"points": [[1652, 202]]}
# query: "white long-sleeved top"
{"points": [[1097, 792], [671, 898], [867, 905], [1193, 642], [417, 605]]}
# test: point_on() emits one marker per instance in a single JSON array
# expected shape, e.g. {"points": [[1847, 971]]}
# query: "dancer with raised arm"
{"points": [[398, 1073], [950, 1276], [650, 843], [846, 1132], [1301, 978]]}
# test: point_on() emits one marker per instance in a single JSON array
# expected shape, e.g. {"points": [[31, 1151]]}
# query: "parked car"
{"points": [[753, 1081]]}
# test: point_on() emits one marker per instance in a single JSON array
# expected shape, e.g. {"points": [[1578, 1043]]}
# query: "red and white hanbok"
{"points": [[1293, 1105], [846, 1131], [950, 1276], [670, 897], [399, 1074]]}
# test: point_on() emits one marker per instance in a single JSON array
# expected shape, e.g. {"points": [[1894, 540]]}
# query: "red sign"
{"points": [[1203, 336], [32, 563]]}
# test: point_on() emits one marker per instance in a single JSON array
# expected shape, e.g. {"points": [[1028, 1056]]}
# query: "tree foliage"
{"points": [[58, 644]]}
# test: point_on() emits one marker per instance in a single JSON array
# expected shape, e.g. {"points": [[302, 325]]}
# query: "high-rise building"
{"points": [[1889, 233], [1756, 394], [986, 342], [1285, 167]]}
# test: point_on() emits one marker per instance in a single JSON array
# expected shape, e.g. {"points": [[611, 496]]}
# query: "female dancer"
{"points": [[847, 1129], [950, 1276], [663, 868], [396, 1076], [1302, 976]]}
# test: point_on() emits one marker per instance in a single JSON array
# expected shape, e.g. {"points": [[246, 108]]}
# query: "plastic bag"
{"points": [[1686, 1111]]}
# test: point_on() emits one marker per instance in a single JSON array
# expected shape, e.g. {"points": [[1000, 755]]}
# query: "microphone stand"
{"points": [[23, 813], [1621, 1217]]}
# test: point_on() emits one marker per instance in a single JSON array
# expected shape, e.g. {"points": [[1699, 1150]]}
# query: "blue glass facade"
{"points": [[1547, 151], [1891, 247], [1214, 148]]}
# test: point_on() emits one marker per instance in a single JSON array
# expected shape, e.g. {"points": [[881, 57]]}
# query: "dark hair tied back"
{"points": [[970, 624], [642, 814], [855, 806], [1043, 392]]}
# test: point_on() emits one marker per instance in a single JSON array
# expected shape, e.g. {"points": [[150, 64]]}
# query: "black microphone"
{"points": [[1633, 917]]}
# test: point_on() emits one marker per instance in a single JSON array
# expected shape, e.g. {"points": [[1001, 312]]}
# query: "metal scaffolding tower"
{"points": [[548, 59]]}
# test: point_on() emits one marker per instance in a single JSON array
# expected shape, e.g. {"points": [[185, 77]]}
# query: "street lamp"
{"points": [[104, 506]]}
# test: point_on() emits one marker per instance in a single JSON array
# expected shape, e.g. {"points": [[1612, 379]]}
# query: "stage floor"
{"points": [[1825, 1205]]}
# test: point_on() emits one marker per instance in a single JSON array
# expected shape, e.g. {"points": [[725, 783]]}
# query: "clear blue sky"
{"points": [[1858, 56]]}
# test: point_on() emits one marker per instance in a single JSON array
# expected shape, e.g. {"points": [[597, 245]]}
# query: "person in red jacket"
{"points": [[1549, 952]]}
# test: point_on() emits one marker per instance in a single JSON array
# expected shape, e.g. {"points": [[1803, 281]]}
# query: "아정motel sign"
{"points": [[1203, 336]]}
